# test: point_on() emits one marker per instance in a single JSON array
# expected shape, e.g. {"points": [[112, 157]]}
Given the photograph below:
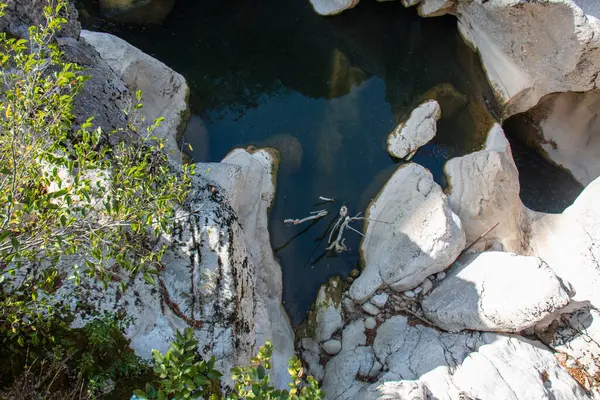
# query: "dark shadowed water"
{"points": [[325, 92]]}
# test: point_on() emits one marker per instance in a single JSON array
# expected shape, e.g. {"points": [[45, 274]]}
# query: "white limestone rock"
{"points": [[332, 347], [370, 323], [164, 91], [328, 310], [421, 235], [570, 244], [530, 49], [495, 291], [485, 191], [332, 7], [426, 287], [417, 131], [369, 308], [379, 300], [353, 335], [311, 354], [251, 199], [341, 371], [394, 390], [435, 8]]}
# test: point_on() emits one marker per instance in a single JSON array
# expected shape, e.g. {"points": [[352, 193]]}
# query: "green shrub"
{"points": [[182, 374], [66, 194]]}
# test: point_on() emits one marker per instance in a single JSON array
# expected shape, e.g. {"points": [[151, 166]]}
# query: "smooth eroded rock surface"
{"points": [[419, 235], [495, 291], [530, 49], [418, 130], [484, 192], [164, 91]]}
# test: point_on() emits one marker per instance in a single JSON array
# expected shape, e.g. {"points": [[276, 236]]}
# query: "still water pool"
{"points": [[325, 92]]}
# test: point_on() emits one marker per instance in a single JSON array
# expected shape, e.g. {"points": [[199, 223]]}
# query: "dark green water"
{"points": [[326, 92]]}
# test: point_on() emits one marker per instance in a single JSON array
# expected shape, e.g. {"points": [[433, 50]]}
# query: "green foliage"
{"points": [[253, 382], [72, 206], [183, 374]]}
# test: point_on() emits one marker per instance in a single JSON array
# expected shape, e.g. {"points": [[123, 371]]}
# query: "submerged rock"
{"points": [[164, 91], [332, 7], [290, 149], [137, 11], [418, 130], [448, 97], [418, 234], [495, 291]]}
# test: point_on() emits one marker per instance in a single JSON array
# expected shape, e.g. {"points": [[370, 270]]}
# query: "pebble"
{"points": [[355, 273], [370, 323], [427, 285], [349, 279], [370, 308], [410, 293], [417, 290], [332, 347], [379, 299], [440, 276], [349, 305]]}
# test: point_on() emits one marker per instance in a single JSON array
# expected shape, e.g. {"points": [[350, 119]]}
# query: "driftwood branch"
{"points": [[326, 199], [314, 215], [482, 236]]}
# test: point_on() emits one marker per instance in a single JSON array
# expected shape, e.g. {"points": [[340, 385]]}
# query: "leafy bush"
{"points": [[71, 205], [183, 375]]}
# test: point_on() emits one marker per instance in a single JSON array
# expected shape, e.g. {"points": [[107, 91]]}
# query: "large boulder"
{"points": [[495, 291], [533, 48], [417, 131], [570, 244], [484, 192], [411, 233], [332, 7], [164, 91]]}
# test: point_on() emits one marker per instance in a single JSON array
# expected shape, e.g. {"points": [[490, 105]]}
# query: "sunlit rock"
{"points": [[495, 291], [418, 130], [449, 366], [412, 233], [484, 192]]}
